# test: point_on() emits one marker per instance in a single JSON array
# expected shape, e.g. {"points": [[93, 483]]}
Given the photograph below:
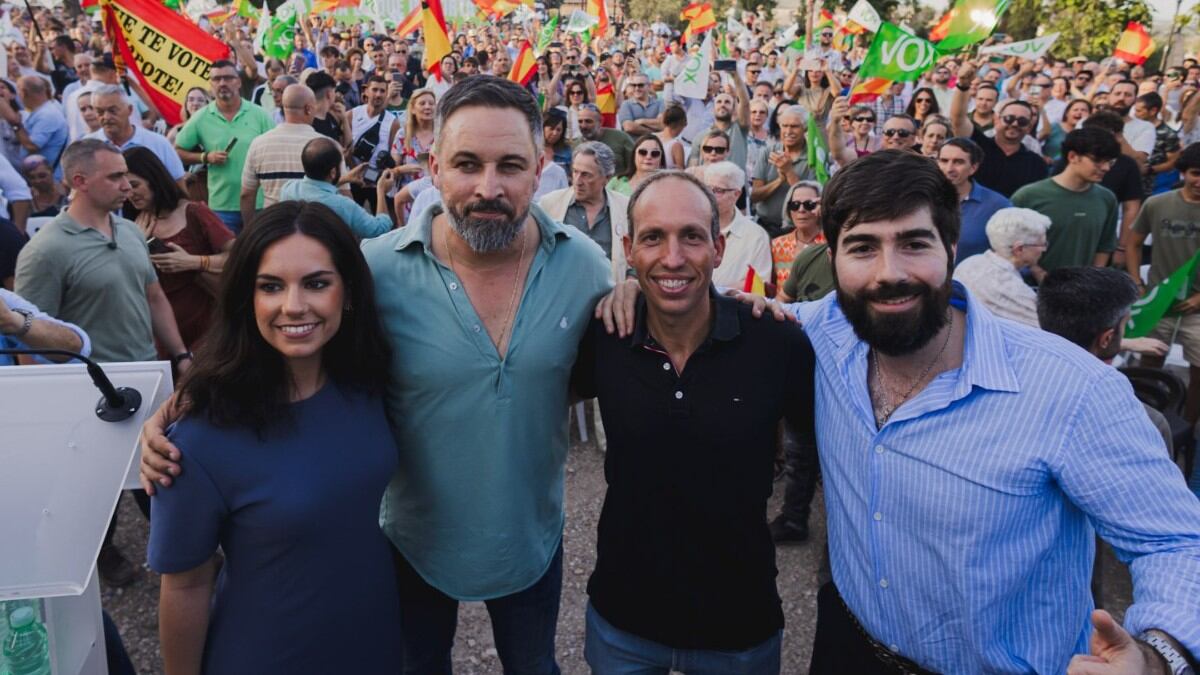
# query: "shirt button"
{"points": [[878, 516], [476, 328], [879, 449], [453, 286], [883, 583], [678, 395], [895, 648], [666, 366]]}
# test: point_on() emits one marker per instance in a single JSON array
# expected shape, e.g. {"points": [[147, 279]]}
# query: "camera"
{"points": [[383, 162]]}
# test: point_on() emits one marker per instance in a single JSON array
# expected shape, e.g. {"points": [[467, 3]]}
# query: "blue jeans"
{"points": [[611, 651], [523, 623], [232, 220]]}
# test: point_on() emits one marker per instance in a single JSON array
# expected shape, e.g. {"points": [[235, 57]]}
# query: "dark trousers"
{"points": [[801, 468], [364, 193], [143, 503], [839, 647], [523, 624], [114, 647]]}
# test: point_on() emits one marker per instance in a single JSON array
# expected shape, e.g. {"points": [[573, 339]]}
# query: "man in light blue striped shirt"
{"points": [[968, 462]]}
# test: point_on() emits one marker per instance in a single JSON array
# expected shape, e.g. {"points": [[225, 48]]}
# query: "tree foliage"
{"points": [[1090, 27], [1022, 18]]}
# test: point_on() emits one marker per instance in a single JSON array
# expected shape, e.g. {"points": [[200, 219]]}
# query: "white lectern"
{"points": [[62, 470]]}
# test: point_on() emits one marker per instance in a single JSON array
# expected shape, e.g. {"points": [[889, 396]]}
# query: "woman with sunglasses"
{"points": [[648, 157], [289, 453], [802, 210], [862, 139], [922, 105]]}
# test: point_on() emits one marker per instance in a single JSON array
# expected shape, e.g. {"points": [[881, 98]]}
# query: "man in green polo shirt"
{"points": [[1083, 213], [219, 136]]}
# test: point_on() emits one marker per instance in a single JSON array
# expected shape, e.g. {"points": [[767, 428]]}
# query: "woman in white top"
{"points": [[1018, 239], [439, 83]]}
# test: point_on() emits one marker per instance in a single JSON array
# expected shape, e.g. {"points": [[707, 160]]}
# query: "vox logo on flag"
{"points": [[897, 55]]}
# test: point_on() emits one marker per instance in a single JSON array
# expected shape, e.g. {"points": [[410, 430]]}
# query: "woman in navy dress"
{"points": [[286, 454]]}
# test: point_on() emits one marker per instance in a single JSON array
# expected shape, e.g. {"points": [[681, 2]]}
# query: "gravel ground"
{"points": [[135, 608]]}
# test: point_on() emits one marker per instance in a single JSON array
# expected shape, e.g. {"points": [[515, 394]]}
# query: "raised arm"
{"points": [[837, 140], [958, 102]]}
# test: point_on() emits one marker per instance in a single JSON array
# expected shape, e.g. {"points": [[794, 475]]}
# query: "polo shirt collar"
{"points": [[420, 232], [726, 325], [72, 226], [211, 108], [318, 185]]}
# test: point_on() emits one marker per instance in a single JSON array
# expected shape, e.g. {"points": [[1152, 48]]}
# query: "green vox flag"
{"points": [[1148, 311], [279, 40], [897, 55], [546, 36], [818, 150], [973, 21]]}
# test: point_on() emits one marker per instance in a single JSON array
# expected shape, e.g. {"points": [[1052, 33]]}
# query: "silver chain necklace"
{"points": [[884, 412]]}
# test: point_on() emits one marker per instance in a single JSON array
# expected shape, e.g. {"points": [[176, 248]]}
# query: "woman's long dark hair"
{"points": [[631, 167], [165, 192], [934, 108], [238, 379]]}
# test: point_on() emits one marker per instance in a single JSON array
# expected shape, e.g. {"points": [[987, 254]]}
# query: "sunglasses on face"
{"points": [[652, 153], [576, 92], [1016, 121], [827, 35], [714, 149], [864, 119], [637, 85], [924, 100], [902, 133], [754, 71], [807, 204]]}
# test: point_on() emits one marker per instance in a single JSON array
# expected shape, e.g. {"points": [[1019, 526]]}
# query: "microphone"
{"points": [[113, 244], [115, 404]]}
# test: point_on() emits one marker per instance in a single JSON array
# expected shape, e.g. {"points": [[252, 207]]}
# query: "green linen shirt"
{"points": [[76, 274], [476, 505], [209, 131]]}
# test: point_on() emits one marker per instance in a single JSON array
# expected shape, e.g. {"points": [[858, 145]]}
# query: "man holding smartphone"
{"points": [[219, 136]]}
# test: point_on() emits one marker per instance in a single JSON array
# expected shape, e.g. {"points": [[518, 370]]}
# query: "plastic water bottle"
{"points": [[26, 649]]}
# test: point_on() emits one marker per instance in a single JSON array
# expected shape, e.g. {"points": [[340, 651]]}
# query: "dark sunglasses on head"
{"points": [[902, 133], [807, 205], [652, 153], [863, 118], [714, 148], [1016, 121]]}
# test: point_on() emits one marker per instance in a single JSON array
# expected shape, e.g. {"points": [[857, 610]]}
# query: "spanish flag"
{"points": [[524, 66], [597, 9], [942, 28], [1135, 45], [320, 6], [437, 43], [606, 101], [410, 23], [754, 283], [170, 55], [700, 18], [869, 89]]}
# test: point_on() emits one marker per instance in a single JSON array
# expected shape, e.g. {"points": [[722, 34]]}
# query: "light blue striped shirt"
{"points": [[961, 533]]}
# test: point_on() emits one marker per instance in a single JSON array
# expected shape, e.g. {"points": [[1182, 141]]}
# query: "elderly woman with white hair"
{"points": [[747, 245], [1018, 239]]}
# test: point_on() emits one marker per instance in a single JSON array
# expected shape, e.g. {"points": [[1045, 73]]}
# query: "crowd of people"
{"points": [[380, 288]]}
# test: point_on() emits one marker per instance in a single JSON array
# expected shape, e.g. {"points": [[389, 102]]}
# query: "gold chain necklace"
{"points": [[510, 315], [885, 412]]}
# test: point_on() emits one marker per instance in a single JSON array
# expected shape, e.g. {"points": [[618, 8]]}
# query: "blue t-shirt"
{"points": [[308, 584]]}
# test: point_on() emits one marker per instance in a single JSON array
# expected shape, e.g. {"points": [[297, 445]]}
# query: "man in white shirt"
{"points": [[1139, 134], [113, 108], [746, 244]]}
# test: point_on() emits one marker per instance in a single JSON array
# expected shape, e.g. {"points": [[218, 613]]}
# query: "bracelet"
{"points": [[960, 87], [204, 158], [180, 358], [204, 263]]}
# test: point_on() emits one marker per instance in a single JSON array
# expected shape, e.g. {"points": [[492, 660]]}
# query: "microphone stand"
{"points": [[115, 404]]}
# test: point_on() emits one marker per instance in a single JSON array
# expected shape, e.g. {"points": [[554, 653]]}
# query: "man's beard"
{"points": [[897, 334], [1123, 111], [487, 235], [722, 116]]}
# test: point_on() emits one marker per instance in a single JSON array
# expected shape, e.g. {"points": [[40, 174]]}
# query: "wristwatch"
{"points": [[180, 358], [1177, 663], [25, 326]]}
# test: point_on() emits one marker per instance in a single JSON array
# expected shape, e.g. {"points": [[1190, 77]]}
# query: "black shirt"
{"points": [[684, 555], [1007, 173], [329, 126]]}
